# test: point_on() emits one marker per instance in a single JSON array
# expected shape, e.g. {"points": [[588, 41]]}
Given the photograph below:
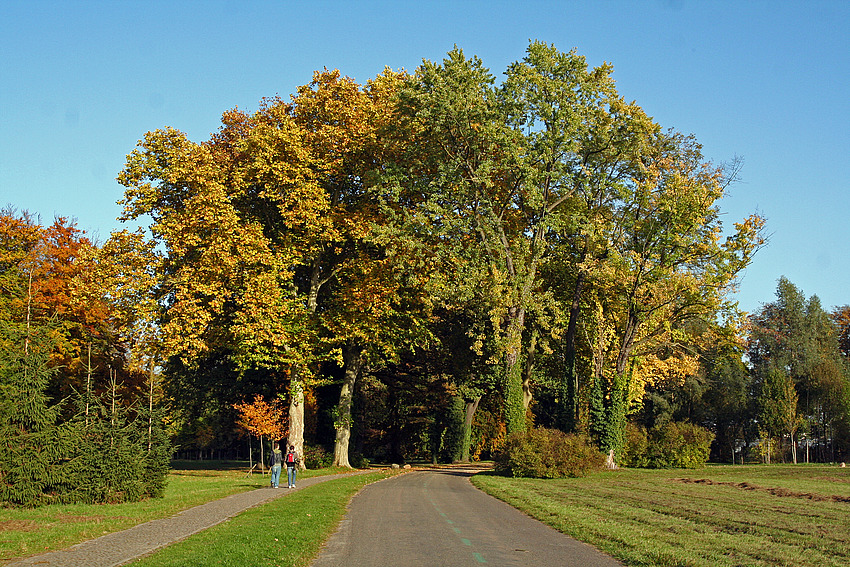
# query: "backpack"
{"points": [[290, 458]]}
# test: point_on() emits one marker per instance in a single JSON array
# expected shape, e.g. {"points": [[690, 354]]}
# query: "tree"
{"points": [[796, 336], [269, 262], [504, 166], [777, 402], [232, 216], [727, 402], [262, 419], [841, 316], [357, 291]]}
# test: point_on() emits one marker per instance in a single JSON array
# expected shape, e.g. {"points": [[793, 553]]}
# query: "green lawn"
{"points": [[795, 515], [717, 516], [25, 532], [284, 532]]}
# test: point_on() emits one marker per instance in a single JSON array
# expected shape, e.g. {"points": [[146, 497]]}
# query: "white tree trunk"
{"points": [[296, 418]]}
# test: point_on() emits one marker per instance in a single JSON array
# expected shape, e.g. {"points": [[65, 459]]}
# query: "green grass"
{"points": [[717, 516], [25, 532], [284, 532]]}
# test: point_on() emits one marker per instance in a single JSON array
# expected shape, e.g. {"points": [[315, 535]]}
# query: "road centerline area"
{"points": [[389, 522]]}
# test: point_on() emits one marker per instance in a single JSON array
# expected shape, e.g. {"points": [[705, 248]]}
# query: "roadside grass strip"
{"points": [[31, 531], [287, 531], [717, 516]]}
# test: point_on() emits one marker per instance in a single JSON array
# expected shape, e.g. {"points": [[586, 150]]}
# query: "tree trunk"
{"points": [[609, 461], [150, 405], [568, 410], [353, 358], [793, 449], [515, 419], [469, 414], [296, 416], [529, 368]]}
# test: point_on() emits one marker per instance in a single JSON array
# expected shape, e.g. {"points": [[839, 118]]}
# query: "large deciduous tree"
{"points": [[267, 227], [231, 215], [553, 166]]}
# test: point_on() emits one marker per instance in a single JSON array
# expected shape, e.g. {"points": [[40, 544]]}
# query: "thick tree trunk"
{"points": [[515, 419], [353, 358], [296, 416], [529, 368], [469, 414]]}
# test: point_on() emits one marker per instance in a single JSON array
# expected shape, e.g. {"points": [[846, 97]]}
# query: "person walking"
{"points": [[291, 463], [276, 461]]}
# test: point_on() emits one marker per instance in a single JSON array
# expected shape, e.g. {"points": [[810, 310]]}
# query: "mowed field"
{"points": [[795, 515]]}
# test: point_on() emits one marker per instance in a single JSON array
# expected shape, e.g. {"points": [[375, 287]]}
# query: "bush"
{"points": [[316, 457], [358, 461], [548, 453], [679, 445], [635, 447]]}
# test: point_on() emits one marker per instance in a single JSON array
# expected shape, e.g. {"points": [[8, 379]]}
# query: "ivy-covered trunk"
{"points": [[469, 414], [514, 393]]}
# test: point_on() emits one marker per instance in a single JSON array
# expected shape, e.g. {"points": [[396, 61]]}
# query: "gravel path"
{"points": [[118, 548]]}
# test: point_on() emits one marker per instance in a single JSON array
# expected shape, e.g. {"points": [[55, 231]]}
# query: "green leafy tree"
{"points": [[505, 167], [777, 401], [796, 336]]}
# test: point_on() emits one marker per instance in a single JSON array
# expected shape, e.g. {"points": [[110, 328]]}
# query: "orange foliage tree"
{"points": [[263, 419]]}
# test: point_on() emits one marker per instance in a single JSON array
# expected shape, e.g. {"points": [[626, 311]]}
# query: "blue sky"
{"points": [[769, 81]]}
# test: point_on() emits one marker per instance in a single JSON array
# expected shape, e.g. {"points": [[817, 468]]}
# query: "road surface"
{"points": [[437, 518]]}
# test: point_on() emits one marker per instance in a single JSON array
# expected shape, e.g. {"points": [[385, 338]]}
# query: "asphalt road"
{"points": [[437, 518]]}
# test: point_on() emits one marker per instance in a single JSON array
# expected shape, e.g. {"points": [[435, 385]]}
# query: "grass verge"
{"points": [[287, 531], [718, 516], [25, 532]]}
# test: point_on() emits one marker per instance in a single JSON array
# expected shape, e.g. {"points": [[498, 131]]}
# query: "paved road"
{"points": [[436, 517]]}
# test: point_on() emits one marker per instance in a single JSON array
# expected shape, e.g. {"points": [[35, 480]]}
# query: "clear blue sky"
{"points": [[81, 82]]}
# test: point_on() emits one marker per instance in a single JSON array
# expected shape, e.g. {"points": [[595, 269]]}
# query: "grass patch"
{"points": [[716, 516], [25, 532], [287, 531]]}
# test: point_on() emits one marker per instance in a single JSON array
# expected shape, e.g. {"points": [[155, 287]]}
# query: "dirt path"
{"points": [[436, 517]]}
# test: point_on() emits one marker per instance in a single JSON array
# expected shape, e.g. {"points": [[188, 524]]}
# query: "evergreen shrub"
{"points": [[548, 453]]}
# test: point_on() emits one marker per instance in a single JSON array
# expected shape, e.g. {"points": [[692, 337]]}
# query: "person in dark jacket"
{"points": [[276, 461]]}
